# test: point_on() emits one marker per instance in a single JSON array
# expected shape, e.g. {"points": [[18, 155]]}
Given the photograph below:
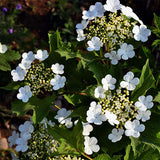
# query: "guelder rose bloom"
{"points": [[57, 68], [24, 93], [89, 15], [143, 115], [99, 92], [141, 33], [113, 56], [21, 145], [82, 25], [99, 9], [144, 103], [130, 82], [12, 139], [58, 82], [91, 145], [116, 135], [134, 128], [18, 74], [94, 44], [108, 82], [81, 35], [3, 48], [111, 117], [41, 55], [112, 5], [126, 51]]}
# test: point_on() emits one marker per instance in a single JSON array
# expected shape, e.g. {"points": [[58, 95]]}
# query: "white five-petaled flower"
{"points": [[99, 92], [18, 74], [112, 5], [24, 93], [82, 25], [62, 115], [94, 44], [130, 82], [21, 145], [111, 117], [3, 48], [91, 145], [108, 82], [58, 68], [27, 59], [143, 115], [116, 135], [94, 114], [126, 51], [81, 35], [12, 139], [134, 128], [87, 128], [99, 9], [127, 11], [91, 14], [113, 56], [58, 82], [141, 33], [41, 55], [144, 103]]}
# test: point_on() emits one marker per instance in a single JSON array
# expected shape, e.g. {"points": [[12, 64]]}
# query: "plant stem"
{"points": [[87, 156]]}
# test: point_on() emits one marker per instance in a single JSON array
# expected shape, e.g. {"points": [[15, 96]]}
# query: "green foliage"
{"points": [[146, 82], [8, 57]]}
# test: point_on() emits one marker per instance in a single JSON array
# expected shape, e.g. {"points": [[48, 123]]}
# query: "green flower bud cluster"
{"points": [[38, 78], [119, 104], [112, 31], [41, 145]]}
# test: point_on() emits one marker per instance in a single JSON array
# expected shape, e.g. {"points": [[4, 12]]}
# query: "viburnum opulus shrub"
{"points": [[109, 112]]}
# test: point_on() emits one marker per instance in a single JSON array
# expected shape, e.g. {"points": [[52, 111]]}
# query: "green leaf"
{"points": [[146, 82], [73, 138], [4, 65], [157, 21], [157, 98], [90, 90], [103, 157], [156, 43], [13, 86], [99, 70], [12, 55]]}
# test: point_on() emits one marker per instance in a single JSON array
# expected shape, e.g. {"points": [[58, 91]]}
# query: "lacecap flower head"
{"points": [[111, 25], [36, 77], [116, 107]]}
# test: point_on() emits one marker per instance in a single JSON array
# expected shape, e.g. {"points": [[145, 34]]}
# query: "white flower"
{"points": [[41, 55], [94, 44], [21, 145], [94, 114], [108, 82], [58, 82], [144, 103], [12, 139], [52, 124], [112, 5], [81, 35], [91, 145], [82, 25], [89, 15], [3, 48], [113, 56], [126, 51], [141, 33], [127, 11], [99, 9], [26, 129], [87, 128], [116, 135], [18, 74], [99, 92], [24, 93], [57, 68], [27, 59], [111, 117], [143, 115], [14, 157], [134, 128], [62, 115], [130, 82]]}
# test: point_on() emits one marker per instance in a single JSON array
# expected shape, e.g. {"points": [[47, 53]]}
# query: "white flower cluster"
{"points": [[19, 74], [117, 108], [21, 139], [98, 10], [3, 48]]}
